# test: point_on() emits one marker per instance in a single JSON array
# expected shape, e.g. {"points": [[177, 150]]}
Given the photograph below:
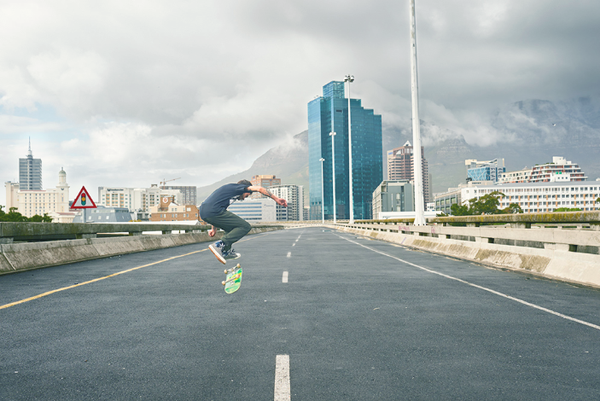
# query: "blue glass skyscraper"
{"points": [[330, 113]]}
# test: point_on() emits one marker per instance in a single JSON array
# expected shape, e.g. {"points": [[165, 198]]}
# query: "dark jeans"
{"points": [[234, 226]]}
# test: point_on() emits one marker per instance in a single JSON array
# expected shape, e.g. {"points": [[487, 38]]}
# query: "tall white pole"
{"points": [[332, 135], [417, 157], [322, 193], [349, 79]]}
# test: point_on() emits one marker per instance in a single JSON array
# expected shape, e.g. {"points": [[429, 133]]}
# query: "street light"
{"points": [[417, 167], [322, 193], [332, 135], [349, 79]]}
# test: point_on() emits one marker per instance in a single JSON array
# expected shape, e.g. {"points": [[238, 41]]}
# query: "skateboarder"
{"points": [[214, 211]]}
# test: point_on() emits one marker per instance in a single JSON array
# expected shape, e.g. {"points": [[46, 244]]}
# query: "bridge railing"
{"points": [[570, 231], [26, 231]]}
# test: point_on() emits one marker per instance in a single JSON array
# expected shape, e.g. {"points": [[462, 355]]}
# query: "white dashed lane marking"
{"points": [[282, 378], [284, 277]]}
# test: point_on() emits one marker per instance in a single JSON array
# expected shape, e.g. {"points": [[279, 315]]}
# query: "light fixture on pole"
{"points": [[332, 135], [349, 79], [417, 158], [322, 193]]}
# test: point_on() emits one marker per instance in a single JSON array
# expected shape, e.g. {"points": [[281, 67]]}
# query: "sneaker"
{"points": [[231, 254], [217, 250]]}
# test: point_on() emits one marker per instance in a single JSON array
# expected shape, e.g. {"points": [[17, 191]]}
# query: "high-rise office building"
{"points": [[329, 113], [400, 167], [30, 172]]}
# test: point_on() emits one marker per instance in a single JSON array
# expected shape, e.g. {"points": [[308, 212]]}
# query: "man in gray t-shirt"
{"points": [[214, 211]]}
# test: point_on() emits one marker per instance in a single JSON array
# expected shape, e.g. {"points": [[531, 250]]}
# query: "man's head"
{"points": [[245, 194]]}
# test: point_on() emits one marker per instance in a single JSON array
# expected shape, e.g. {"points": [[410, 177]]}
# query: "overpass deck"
{"points": [[354, 319]]}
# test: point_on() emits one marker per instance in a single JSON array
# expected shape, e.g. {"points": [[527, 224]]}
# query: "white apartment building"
{"points": [[135, 199], [255, 210], [560, 170], [536, 197], [294, 195], [44, 201], [515, 177]]}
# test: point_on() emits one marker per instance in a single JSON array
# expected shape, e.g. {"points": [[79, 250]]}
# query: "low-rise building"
{"points": [[168, 210], [136, 199], [515, 177], [444, 200], [393, 196], [535, 197], [103, 214], [559, 170], [490, 170], [189, 193], [39, 202], [255, 210]]}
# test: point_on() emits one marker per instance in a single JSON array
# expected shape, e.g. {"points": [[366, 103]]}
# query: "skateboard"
{"points": [[233, 279]]}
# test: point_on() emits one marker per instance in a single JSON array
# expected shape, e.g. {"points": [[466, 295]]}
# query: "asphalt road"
{"points": [[357, 320]]}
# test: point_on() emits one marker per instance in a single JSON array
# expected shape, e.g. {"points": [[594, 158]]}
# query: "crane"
{"points": [[164, 181]]}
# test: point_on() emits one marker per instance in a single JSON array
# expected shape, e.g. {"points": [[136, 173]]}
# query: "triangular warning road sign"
{"points": [[83, 200]]}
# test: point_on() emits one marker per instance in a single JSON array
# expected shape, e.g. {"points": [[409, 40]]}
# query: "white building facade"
{"points": [[560, 170], [39, 202], [255, 210], [135, 199], [294, 195], [539, 197]]}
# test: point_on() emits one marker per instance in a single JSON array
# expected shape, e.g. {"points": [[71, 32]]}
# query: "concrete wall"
{"points": [[555, 260], [26, 256]]}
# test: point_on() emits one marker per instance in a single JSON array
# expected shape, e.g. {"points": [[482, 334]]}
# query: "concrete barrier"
{"points": [[34, 255], [553, 260]]}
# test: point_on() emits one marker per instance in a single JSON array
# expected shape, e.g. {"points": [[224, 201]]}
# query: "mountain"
{"points": [[288, 161], [526, 133]]}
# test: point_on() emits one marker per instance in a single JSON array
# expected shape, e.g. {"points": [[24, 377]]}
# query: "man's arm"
{"points": [[268, 193]]}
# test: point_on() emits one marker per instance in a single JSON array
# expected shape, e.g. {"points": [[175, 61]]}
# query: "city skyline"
{"points": [[128, 95]]}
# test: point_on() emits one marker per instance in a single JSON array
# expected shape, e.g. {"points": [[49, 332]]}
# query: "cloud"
{"points": [[69, 79], [140, 90]]}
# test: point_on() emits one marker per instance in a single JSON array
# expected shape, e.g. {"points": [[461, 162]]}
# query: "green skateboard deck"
{"points": [[233, 279]]}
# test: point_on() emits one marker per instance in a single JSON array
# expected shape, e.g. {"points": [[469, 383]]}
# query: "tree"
{"points": [[567, 209], [41, 219], [487, 204], [14, 216], [459, 210], [513, 208]]}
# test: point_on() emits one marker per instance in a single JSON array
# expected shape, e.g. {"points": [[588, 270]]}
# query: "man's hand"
{"points": [[212, 232], [268, 193]]}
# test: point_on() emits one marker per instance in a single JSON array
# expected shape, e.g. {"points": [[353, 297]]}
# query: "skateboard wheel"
{"points": [[225, 271], [223, 282], [238, 266]]}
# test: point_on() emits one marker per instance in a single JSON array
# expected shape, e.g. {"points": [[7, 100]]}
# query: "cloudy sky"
{"points": [[127, 93]]}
